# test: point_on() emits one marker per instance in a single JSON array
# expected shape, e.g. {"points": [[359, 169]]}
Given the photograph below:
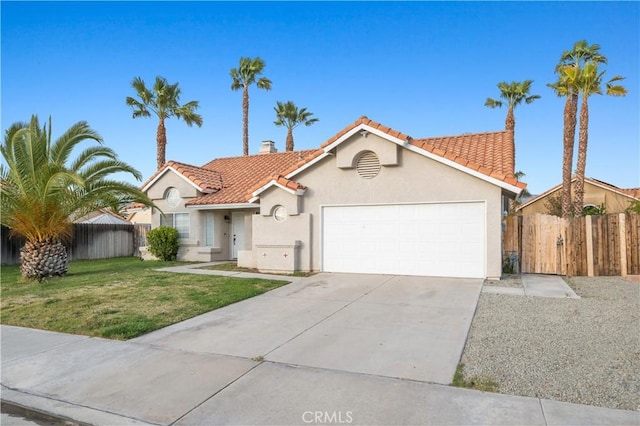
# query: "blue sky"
{"points": [[424, 68]]}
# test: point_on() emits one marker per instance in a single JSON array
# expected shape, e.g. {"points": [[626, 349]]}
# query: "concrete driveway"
{"points": [[310, 342], [393, 326]]}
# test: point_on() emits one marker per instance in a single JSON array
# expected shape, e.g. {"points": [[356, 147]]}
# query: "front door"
{"points": [[237, 233]]}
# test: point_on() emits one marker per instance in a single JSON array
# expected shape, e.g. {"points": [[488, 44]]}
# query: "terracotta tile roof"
{"points": [[278, 178], [632, 192], [489, 153], [133, 206], [233, 180], [365, 120], [240, 174], [206, 180]]}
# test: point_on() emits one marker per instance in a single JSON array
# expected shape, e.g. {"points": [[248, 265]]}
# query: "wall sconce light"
{"points": [[227, 219]]}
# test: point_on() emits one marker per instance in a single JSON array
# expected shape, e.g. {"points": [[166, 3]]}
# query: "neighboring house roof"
{"points": [[239, 180], [106, 217], [633, 193]]}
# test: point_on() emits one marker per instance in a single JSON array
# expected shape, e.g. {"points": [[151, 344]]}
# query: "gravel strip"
{"points": [[585, 351]]}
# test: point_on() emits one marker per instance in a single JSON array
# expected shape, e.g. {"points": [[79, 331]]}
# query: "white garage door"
{"points": [[443, 240]]}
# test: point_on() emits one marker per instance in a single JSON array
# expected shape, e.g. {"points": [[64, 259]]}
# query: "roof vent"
{"points": [[268, 147], [368, 165]]}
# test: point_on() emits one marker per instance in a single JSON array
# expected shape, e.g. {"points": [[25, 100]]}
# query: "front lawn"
{"points": [[118, 298]]}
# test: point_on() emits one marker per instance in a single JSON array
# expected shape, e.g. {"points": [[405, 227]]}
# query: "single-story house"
{"points": [[370, 200], [104, 217], [596, 194]]}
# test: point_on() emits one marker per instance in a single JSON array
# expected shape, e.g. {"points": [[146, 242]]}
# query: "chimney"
{"points": [[268, 147]]}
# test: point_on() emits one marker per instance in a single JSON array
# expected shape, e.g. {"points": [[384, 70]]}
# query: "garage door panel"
{"points": [[445, 239]]}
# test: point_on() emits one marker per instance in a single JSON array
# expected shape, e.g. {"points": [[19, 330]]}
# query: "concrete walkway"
{"points": [[183, 375], [537, 285]]}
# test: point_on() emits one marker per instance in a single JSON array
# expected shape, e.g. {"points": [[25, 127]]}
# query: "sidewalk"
{"points": [[98, 381], [537, 285]]}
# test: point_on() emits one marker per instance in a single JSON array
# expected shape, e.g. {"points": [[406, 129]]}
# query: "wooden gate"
{"points": [[543, 241], [582, 246]]}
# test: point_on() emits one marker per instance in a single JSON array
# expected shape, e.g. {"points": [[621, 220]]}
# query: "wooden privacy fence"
{"points": [[89, 241], [583, 246]]}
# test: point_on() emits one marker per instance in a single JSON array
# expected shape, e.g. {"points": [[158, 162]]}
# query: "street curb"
{"points": [[67, 414]]}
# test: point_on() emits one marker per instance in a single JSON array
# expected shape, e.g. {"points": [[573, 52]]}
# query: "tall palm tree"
{"points": [[514, 94], [568, 70], [42, 189], [565, 87], [589, 83], [243, 77], [288, 115], [164, 102]]}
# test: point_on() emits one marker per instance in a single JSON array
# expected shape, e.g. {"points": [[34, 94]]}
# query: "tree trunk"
{"points": [[510, 125], [583, 140], [43, 259], [570, 107], [245, 120], [510, 122], [161, 140], [289, 144]]}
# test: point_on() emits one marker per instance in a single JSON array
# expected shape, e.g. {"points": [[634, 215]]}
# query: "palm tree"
{"points": [[42, 190], [568, 70], [164, 101], [524, 194], [514, 94], [243, 77], [589, 84], [565, 87], [288, 115]]}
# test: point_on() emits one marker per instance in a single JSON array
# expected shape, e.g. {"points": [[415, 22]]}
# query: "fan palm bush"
{"points": [[43, 189]]}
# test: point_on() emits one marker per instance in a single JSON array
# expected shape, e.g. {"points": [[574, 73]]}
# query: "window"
{"points": [[180, 221], [173, 197], [208, 229], [279, 213]]}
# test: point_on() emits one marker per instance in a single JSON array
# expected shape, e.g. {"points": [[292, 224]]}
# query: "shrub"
{"points": [[163, 243]]}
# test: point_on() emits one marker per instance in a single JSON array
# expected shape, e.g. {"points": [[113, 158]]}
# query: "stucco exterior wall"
{"points": [[415, 179], [593, 195], [192, 249]]}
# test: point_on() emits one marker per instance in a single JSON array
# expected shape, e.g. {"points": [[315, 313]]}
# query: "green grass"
{"points": [[231, 266], [118, 298], [478, 383]]}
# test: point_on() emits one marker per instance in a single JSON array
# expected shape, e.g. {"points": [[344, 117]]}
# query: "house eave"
{"points": [[152, 182], [229, 206], [367, 128]]}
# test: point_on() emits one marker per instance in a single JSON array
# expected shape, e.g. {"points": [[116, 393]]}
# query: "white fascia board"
{"points": [[150, 184], [369, 129], [307, 165], [231, 206], [504, 185]]}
